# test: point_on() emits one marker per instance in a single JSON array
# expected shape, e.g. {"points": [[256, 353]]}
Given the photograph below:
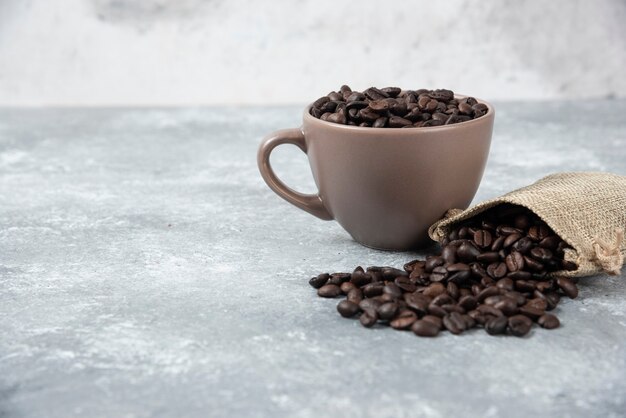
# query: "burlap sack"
{"points": [[587, 210]]}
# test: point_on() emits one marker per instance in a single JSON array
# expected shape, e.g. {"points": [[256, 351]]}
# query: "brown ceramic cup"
{"points": [[385, 186]]}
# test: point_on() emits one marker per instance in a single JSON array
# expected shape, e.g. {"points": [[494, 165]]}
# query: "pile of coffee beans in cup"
{"points": [[493, 272], [392, 107]]}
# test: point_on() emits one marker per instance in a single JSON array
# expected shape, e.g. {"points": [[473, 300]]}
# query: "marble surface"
{"points": [[146, 270]]}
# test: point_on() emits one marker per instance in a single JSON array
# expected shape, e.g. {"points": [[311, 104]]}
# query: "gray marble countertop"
{"points": [[146, 270]]}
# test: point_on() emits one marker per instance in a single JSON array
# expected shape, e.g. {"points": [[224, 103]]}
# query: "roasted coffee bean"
{"points": [[531, 312], [392, 290], [511, 239], [367, 320], [548, 321], [520, 275], [505, 284], [523, 245], [453, 290], [329, 291], [434, 319], [497, 270], [347, 309], [507, 306], [434, 290], [541, 254], [437, 310], [538, 232], [483, 238], [454, 323], [489, 310], [519, 325], [533, 264], [439, 274], [360, 278], [404, 320], [387, 310], [448, 254], [551, 242], [468, 302], [538, 303], [347, 287], [432, 262], [380, 122], [467, 252], [355, 295], [489, 257], [486, 292], [514, 261], [404, 283], [568, 287], [430, 108], [492, 281], [373, 289], [498, 243], [425, 328], [319, 280], [496, 325], [338, 278]]}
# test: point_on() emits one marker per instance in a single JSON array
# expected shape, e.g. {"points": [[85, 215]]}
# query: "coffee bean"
{"points": [[508, 277], [347, 287], [347, 309], [505, 284], [434, 319], [437, 310], [387, 310], [425, 328], [392, 290], [511, 239], [483, 238], [497, 270], [454, 323], [468, 302], [404, 320], [568, 287], [496, 325], [539, 232], [453, 290], [523, 245], [548, 321], [373, 289], [448, 254], [320, 280], [514, 261], [329, 291], [355, 295], [367, 320], [519, 325], [507, 306], [467, 252], [541, 254], [498, 243], [531, 312]]}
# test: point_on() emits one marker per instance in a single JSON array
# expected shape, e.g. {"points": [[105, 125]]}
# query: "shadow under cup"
{"points": [[385, 186]]}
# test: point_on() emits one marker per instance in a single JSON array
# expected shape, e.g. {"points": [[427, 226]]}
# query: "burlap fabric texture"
{"points": [[587, 210]]}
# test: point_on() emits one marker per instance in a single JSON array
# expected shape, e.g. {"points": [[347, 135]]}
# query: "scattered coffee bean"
{"points": [[548, 321], [494, 271], [425, 328], [347, 309]]}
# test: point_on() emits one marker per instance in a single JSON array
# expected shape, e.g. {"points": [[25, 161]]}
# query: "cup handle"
{"points": [[311, 203]]}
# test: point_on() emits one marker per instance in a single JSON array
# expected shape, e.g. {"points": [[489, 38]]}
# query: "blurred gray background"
{"points": [[195, 52]]}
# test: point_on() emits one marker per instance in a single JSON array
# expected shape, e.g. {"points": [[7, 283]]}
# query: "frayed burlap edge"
{"points": [[599, 251]]}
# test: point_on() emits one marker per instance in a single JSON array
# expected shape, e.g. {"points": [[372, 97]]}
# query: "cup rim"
{"points": [[489, 115]]}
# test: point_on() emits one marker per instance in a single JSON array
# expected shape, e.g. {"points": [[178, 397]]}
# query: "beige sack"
{"points": [[587, 210]]}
